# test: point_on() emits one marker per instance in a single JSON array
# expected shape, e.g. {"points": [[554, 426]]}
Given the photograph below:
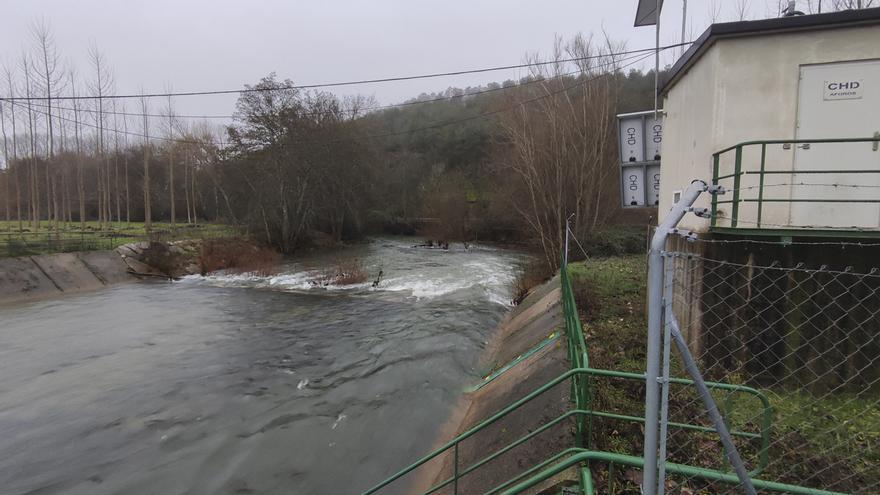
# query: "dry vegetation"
{"points": [[532, 274], [237, 255], [342, 272]]}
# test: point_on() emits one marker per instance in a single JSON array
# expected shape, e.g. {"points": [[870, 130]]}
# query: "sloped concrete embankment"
{"points": [[39, 277], [526, 351], [32, 278]]}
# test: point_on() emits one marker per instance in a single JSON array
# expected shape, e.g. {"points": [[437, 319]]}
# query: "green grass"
{"points": [[819, 440], [72, 237], [610, 295]]}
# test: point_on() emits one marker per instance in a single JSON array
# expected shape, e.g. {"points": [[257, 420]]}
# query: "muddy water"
{"points": [[237, 384]]}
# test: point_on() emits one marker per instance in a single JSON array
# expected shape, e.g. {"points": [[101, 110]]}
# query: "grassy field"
{"points": [[71, 237], [830, 441]]}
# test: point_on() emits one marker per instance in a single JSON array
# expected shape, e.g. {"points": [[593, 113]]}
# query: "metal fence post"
{"points": [[668, 270], [655, 327], [711, 408]]}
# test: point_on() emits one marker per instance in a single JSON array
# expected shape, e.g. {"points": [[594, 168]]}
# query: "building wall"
{"points": [[745, 89]]}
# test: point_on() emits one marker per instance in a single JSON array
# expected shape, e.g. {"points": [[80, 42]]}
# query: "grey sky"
{"points": [[218, 44]]}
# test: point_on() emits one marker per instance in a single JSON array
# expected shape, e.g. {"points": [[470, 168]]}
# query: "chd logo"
{"points": [[843, 90], [843, 86]]}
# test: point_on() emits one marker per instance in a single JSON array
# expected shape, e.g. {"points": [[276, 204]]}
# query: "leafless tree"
{"points": [[125, 166], [33, 172], [741, 9], [78, 139], [100, 87], [6, 164], [116, 152], [47, 69], [852, 4], [714, 10], [562, 144], [10, 90], [148, 215], [169, 112]]}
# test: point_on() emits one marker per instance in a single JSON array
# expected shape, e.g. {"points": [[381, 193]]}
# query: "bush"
{"points": [[342, 272], [237, 255], [611, 241], [531, 274]]}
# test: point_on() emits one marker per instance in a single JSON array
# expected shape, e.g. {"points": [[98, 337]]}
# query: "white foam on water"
{"points": [[447, 272], [302, 384], [339, 419]]}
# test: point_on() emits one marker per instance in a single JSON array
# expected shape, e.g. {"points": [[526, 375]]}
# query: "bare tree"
{"points": [[100, 86], [78, 139], [852, 4], [714, 10], [46, 67], [741, 9], [148, 215], [10, 90], [33, 172], [6, 164], [116, 163], [562, 144], [125, 166], [170, 113]]}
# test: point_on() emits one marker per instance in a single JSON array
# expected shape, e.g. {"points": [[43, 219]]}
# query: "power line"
{"points": [[437, 125], [365, 109], [343, 83], [490, 113], [107, 129]]}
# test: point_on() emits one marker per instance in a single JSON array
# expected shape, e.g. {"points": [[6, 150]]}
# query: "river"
{"points": [[240, 384]]}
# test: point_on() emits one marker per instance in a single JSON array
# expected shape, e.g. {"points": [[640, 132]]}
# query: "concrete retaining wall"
{"points": [[38, 277], [524, 329]]}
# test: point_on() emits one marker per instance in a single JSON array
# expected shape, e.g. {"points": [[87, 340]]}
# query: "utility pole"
{"points": [[684, 16], [657, 61]]}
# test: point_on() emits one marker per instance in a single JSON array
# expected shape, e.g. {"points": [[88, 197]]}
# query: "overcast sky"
{"points": [[218, 44]]}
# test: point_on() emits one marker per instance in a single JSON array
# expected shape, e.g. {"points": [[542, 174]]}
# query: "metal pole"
{"points": [[567, 230], [455, 471], [656, 59], [655, 327], [684, 14], [712, 408], [664, 392]]}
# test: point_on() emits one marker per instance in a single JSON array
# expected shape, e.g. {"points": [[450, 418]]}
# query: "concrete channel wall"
{"points": [[527, 350], [32, 278]]}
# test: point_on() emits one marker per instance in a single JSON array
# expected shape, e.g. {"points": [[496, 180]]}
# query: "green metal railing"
{"points": [[582, 413], [741, 170]]}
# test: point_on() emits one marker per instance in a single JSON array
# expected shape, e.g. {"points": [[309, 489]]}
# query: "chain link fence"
{"points": [[805, 338], [786, 391]]}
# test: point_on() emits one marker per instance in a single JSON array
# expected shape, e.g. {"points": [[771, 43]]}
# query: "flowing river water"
{"points": [[239, 384]]}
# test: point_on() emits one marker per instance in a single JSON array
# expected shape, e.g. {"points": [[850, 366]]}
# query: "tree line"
{"points": [[506, 161], [85, 159]]}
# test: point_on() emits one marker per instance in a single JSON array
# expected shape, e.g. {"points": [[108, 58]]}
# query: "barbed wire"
{"points": [[799, 266]]}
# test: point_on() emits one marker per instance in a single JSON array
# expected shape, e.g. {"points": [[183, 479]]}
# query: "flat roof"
{"points": [[831, 20]]}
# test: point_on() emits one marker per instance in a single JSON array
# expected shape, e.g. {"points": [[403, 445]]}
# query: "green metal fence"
{"points": [[580, 456], [759, 161]]}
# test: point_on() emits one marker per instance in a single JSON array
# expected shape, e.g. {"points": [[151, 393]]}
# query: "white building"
{"points": [[789, 82]]}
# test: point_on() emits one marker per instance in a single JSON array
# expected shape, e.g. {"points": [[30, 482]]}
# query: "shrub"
{"points": [[342, 272], [531, 274], [237, 255], [611, 241]]}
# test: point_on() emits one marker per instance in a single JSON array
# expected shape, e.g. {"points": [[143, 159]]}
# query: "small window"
{"points": [[676, 197]]}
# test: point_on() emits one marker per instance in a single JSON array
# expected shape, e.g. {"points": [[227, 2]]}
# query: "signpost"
{"points": [[641, 137]]}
